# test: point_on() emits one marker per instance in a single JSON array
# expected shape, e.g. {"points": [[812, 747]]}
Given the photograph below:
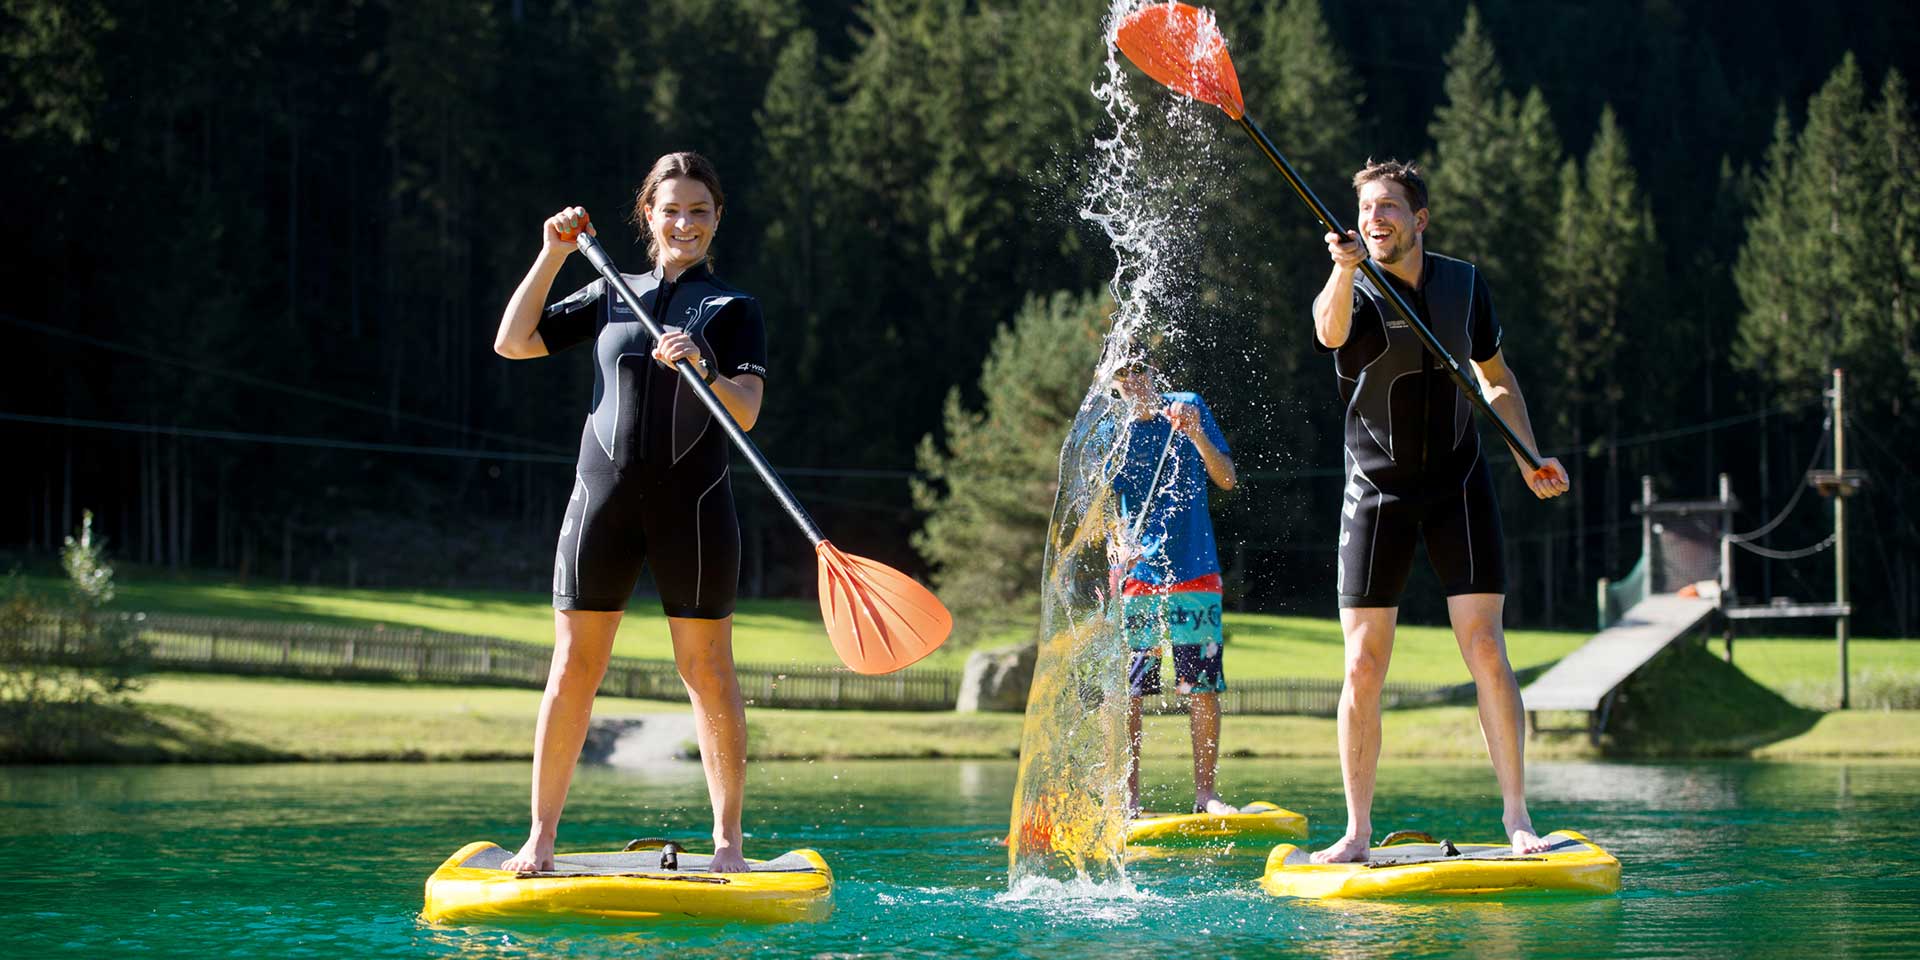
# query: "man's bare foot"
{"points": [[535, 857], [727, 860], [1349, 849], [1524, 839], [1214, 806]]}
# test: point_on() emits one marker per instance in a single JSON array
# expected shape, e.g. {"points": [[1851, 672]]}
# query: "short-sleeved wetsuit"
{"points": [[1413, 461], [651, 482]]}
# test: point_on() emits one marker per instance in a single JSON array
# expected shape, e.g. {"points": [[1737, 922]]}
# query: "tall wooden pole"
{"points": [[1840, 623]]}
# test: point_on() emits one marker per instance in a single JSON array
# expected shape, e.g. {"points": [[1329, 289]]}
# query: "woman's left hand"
{"points": [[676, 345]]}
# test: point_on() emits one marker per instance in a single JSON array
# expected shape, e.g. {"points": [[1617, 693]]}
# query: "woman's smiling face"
{"points": [[682, 220]]}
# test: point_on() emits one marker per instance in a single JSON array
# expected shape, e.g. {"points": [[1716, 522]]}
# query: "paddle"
{"points": [[878, 618], [1181, 47]]}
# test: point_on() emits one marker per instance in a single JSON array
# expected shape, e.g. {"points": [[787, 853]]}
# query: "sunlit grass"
{"points": [[788, 631]]}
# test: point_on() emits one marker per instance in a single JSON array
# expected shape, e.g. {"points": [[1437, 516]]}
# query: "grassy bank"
{"points": [[189, 718], [775, 631], [787, 631], [192, 718]]}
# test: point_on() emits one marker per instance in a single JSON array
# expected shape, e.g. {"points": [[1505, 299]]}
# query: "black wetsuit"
{"points": [[1413, 461], [651, 482]]}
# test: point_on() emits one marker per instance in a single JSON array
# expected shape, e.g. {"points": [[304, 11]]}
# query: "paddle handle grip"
{"points": [[1468, 385], [597, 255]]}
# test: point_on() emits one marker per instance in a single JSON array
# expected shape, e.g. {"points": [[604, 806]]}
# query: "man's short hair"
{"points": [[1407, 175]]}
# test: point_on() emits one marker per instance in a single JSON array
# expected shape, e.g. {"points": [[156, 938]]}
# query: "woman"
{"points": [[651, 484]]}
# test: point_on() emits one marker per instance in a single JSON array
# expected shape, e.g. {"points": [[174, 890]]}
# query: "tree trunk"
{"points": [[1551, 571], [186, 519], [1580, 478], [293, 209], [1613, 487], [66, 483], [173, 503], [220, 511]]}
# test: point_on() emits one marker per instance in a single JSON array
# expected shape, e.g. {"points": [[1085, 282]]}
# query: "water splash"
{"points": [[1068, 826]]}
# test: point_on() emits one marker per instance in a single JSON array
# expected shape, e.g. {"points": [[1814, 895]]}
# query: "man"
{"points": [[1170, 590], [1414, 471]]}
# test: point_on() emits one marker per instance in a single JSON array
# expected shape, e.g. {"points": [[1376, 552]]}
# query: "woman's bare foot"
{"points": [[727, 860], [1524, 839], [1349, 849], [535, 857]]}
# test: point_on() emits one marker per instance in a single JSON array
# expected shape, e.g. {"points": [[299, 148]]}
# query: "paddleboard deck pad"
{"points": [[1573, 864], [637, 885], [1258, 822]]}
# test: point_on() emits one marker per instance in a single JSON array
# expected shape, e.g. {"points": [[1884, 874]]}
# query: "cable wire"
{"points": [[1773, 554], [265, 384], [1826, 437]]}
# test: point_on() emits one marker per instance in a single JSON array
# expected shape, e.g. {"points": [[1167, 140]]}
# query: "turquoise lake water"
{"points": [[1726, 859]]}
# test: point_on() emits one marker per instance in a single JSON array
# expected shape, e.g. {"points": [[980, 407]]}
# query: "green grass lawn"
{"points": [[248, 718], [789, 632], [765, 631], [194, 717], [776, 631], [1807, 670]]}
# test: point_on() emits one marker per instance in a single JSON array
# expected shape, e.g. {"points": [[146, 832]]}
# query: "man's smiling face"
{"points": [[1388, 222]]}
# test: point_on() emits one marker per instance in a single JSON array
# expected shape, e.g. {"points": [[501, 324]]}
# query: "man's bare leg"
{"points": [[1203, 724], [703, 650], [1133, 766], [583, 640], [1477, 627], [1369, 645]]}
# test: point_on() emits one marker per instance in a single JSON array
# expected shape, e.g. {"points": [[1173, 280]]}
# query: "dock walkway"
{"points": [[1585, 678]]}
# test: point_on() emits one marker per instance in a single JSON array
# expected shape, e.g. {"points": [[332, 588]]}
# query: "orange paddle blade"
{"points": [[878, 618], [1180, 46]]}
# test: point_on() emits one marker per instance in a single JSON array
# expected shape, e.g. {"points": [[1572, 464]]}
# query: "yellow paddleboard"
{"points": [[1258, 822], [1573, 864], [627, 885]]}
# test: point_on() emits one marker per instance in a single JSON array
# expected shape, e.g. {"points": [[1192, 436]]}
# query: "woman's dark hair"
{"points": [[686, 164]]}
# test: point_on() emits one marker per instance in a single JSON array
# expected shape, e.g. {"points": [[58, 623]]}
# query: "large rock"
{"points": [[996, 681]]}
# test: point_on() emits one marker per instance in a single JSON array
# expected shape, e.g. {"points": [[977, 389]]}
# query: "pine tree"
{"points": [[1492, 182], [1311, 92], [792, 198], [1899, 201], [1471, 131], [1766, 271], [1806, 273], [1600, 272], [991, 483]]}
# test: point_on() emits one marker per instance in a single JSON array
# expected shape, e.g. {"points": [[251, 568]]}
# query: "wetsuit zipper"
{"points": [[1426, 404], [662, 299]]}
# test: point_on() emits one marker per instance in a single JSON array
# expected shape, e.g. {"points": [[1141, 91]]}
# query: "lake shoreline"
{"points": [[211, 719]]}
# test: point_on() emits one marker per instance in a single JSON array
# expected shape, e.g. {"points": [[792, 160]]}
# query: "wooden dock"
{"points": [[1585, 679]]}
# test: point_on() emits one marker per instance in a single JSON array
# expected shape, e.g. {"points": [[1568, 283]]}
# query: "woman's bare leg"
{"points": [[583, 640], [703, 650]]}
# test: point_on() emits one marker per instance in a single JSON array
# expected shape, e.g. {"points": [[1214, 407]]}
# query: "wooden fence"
{"points": [[291, 649], [1318, 698], [286, 649]]}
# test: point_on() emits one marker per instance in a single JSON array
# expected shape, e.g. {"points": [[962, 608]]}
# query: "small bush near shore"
{"points": [[65, 675]]}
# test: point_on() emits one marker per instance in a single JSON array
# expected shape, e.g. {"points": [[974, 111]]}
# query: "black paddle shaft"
{"points": [[690, 373], [1420, 329]]}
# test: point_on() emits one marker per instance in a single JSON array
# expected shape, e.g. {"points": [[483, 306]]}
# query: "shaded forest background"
{"points": [[258, 250]]}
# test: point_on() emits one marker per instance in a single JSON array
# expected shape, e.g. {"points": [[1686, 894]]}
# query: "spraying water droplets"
{"points": [[1069, 810]]}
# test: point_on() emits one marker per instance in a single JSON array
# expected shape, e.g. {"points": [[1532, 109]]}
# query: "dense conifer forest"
{"points": [[257, 251]]}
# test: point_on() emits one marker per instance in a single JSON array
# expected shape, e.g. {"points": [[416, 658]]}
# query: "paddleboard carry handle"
{"points": [[669, 851], [1408, 836]]}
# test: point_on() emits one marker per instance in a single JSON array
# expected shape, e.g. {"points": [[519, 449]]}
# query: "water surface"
{"points": [[1728, 859]]}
